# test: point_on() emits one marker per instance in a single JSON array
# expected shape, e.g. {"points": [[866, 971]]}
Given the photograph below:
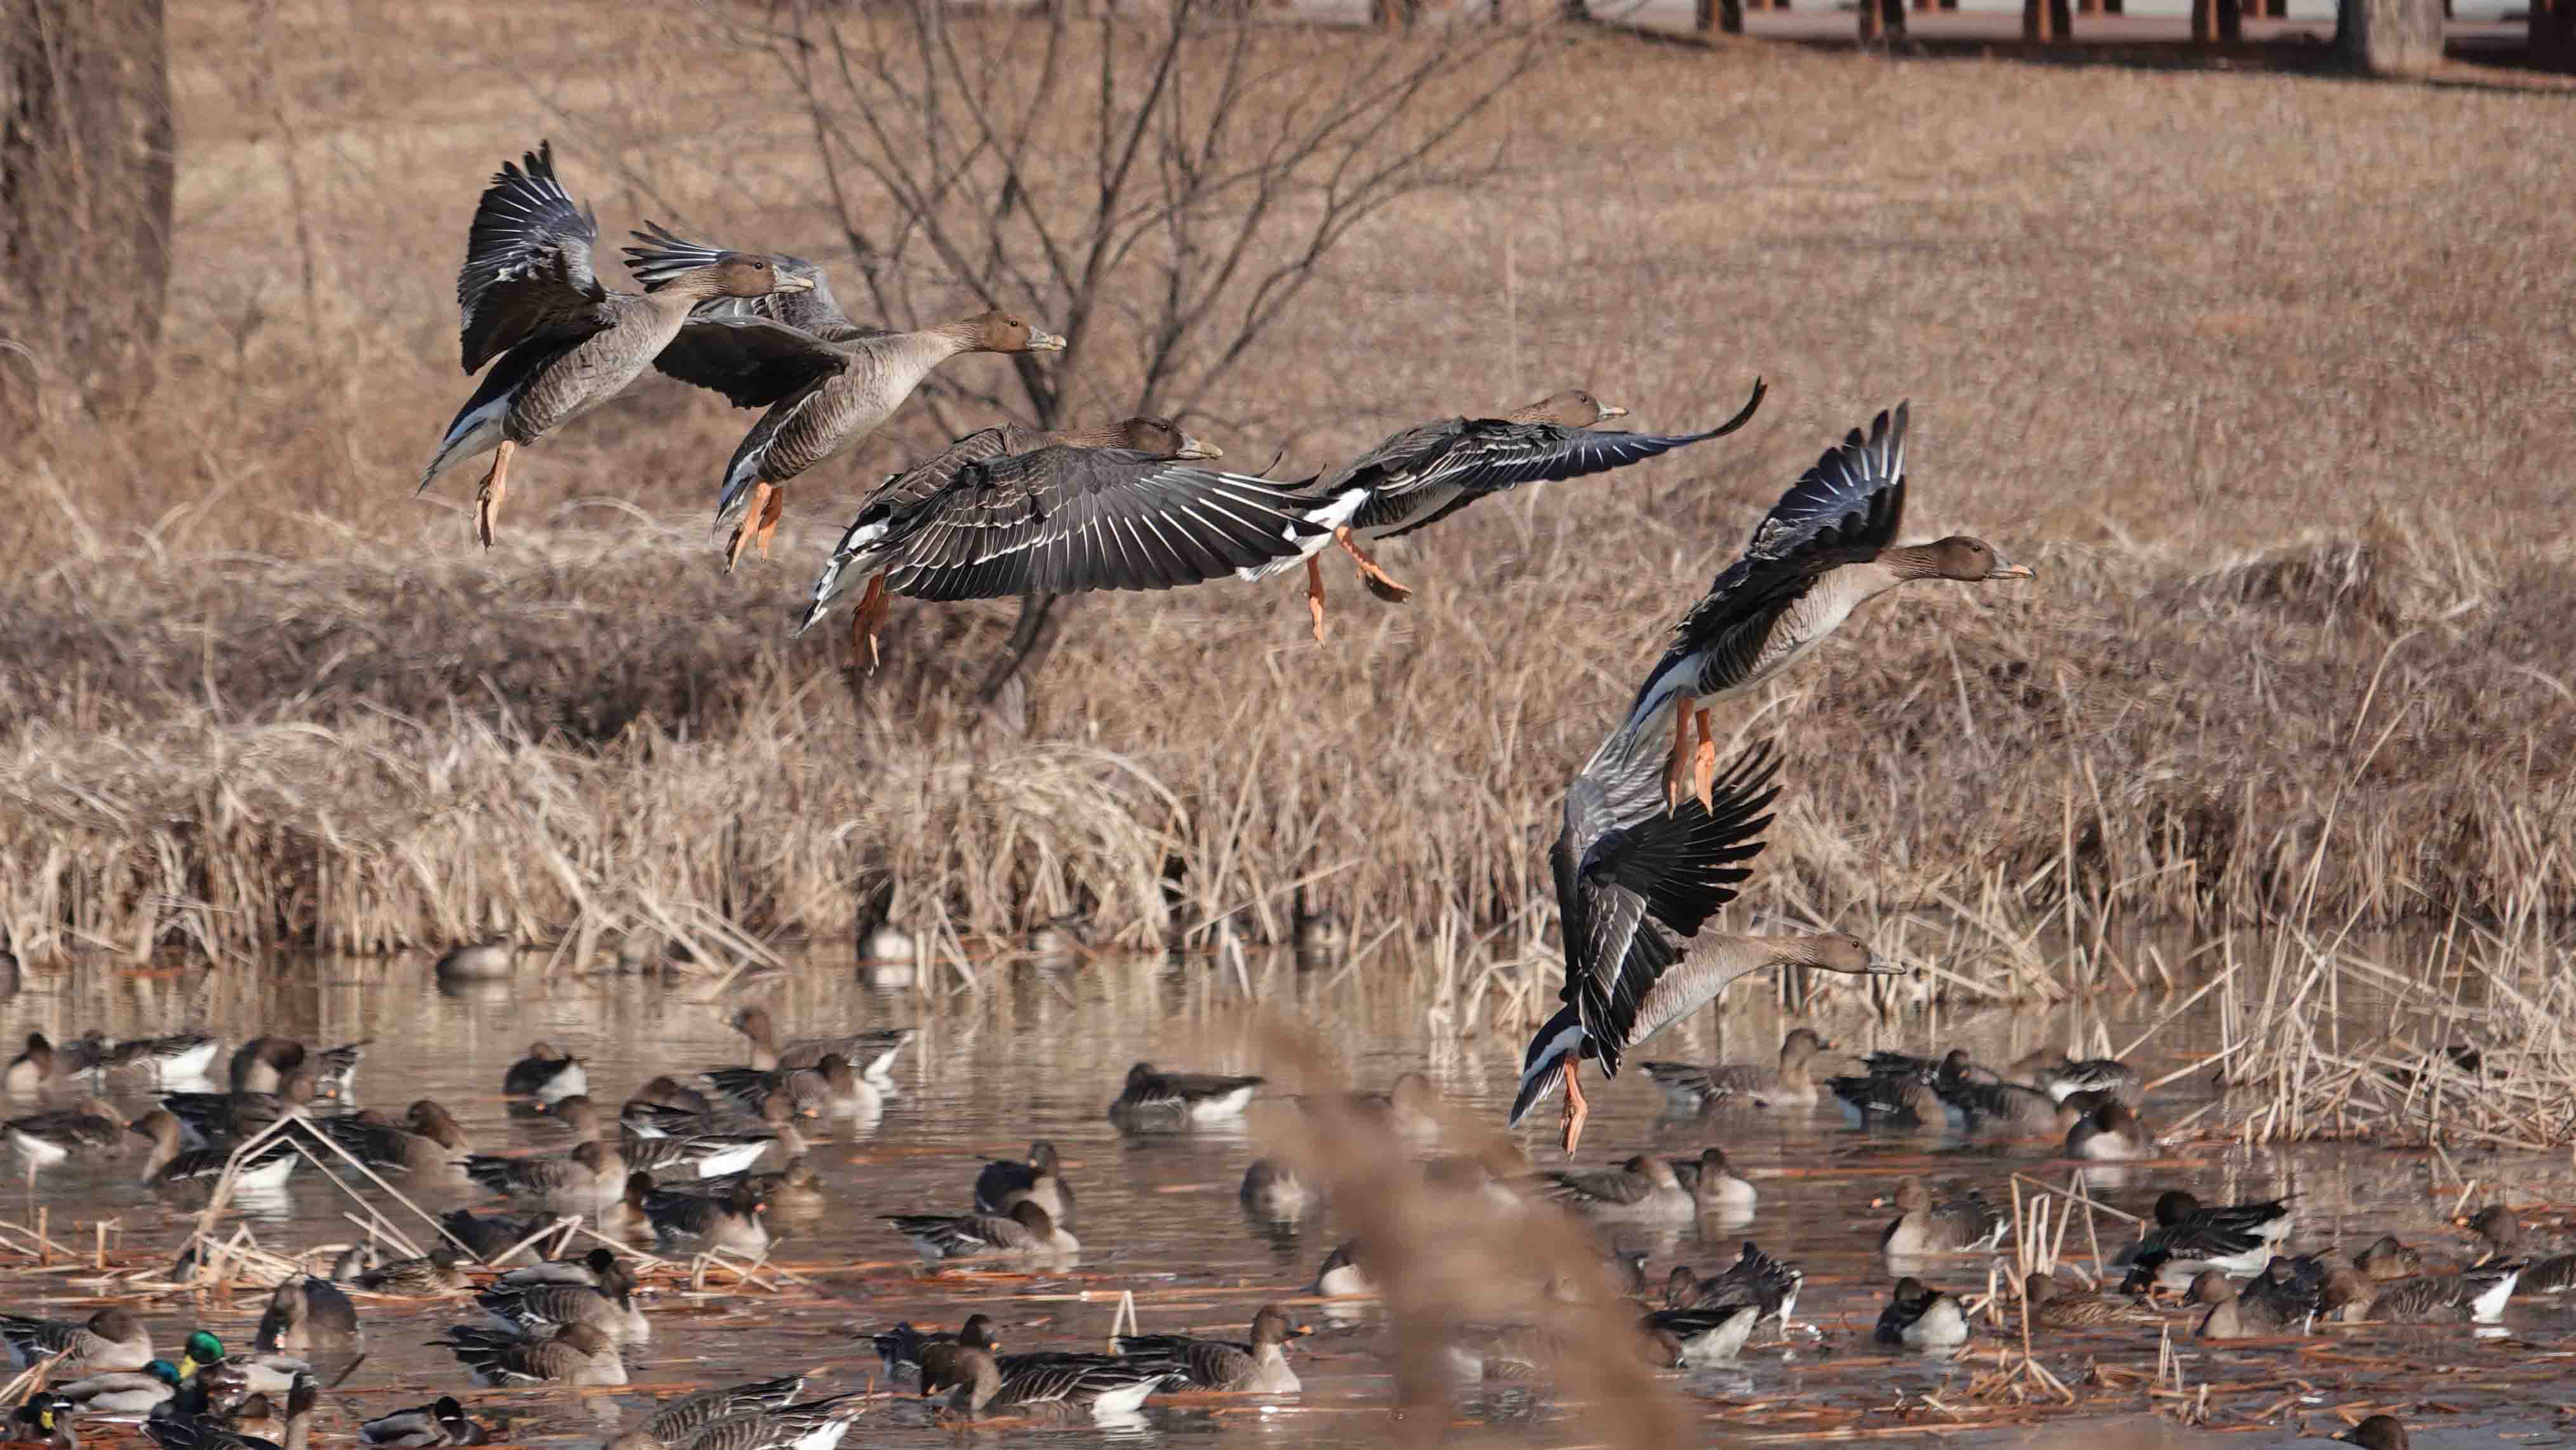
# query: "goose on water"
{"points": [[1828, 547], [1429, 471], [566, 343], [1788, 1083]]}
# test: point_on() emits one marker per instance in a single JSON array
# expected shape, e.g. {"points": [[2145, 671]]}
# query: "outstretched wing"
{"points": [[1065, 520], [527, 273], [753, 361], [658, 254], [1632, 877]]}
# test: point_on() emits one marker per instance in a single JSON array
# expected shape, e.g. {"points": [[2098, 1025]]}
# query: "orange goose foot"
{"points": [[752, 514], [1677, 764], [1315, 595], [1704, 763], [865, 619], [1576, 1109], [1380, 583], [496, 486], [771, 511]]}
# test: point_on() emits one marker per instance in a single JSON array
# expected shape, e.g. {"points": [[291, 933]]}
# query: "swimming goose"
{"points": [[689, 1220], [2110, 1134], [2390, 1258], [871, 1053], [499, 1238], [306, 1314], [2049, 1305], [548, 1074], [1713, 1184], [2012, 1109], [1920, 1317], [2189, 1236], [1002, 1184], [123, 1392], [2106, 1075], [1058, 1387], [1633, 883], [528, 296], [586, 1180], [2347, 1297], [1755, 1278], [1168, 1100], [608, 1305], [1341, 1275], [2233, 1315], [578, 1354], [30, 1070], [1789, 1083], [2379, 1432], [1644, 1187], [93, 1130], [177, 1057], [1431, 470], [2474, 1295], [111, 1339], [895, 509], [425, 1427], [829, 1086], [698, 1154], [1275, 1190], [2554, 1274], [1689, 1338], [1828, 547], [429, 1142], [927, 1354], [1892, 1101], [1024, 1232], [585, 1271], [1260, 1367], [812, 1425], [824, 392], [673, 1420], [1958, 1225], [261, 1064], [479, 961]]}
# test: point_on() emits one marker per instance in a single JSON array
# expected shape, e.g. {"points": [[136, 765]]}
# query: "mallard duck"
{"points": [[528, 296], [1025, 1232], [176, 1432], [1154, 1099], [1959, 1225], [1427, 472], [1260, 1367], [1828, 547], [123, 1392], [607, 1304], [111, 1339], [578, 1354], [1920, 1317], [824, 390], [422, 1427], [1003, 1184], [1634, 883], [428, 1277], [203, 1357], [44, 1420], [1789, 1083]]}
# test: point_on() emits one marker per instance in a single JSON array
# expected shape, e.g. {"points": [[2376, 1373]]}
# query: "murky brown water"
{"points": [[1034, 1055]]}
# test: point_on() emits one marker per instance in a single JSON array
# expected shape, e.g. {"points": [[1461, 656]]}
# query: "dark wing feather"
{"points": [[753, 361], [527, 270], [1674, 867], [1065, 520]]}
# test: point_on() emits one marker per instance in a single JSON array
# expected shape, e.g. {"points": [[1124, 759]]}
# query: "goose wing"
{"points": [[1428, 473], [754, 361], [1615, 1187], [1623, 861], [658, 254], [527, 274], [1847, 507], [673, 1420], [1066, 520]]}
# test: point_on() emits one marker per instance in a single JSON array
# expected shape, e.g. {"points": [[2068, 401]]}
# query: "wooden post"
{"points": [[2553, 34], [2047, 22], [2389, 37], [2217, 20]]}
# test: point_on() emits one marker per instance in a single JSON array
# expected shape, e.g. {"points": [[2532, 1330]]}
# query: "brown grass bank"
{"points": [[2258, 370]]}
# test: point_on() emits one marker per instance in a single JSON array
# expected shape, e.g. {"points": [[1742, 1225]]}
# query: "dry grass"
{"points": [[2257, 369]]}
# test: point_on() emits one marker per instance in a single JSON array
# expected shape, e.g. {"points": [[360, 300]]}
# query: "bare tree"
{"points": [[1160, 185]]}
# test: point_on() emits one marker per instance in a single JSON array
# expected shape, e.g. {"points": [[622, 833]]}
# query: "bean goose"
{"points": [[548, 1073], [305, 1314], [111, 1339], [1427, 472], [1634, 882], [1755, 1279], [926, 1354], [1643, 1188], [566, 344], [1689, 1338], [1153, 1099], [2474, 1295], [578, 1354], [1275, 1190], [812, 1425], [1024, 1232], [2233, 1315], [870, 1053], [1059, 1387], [1922, 1226], [93, 1130], [1260, 1367], [2110, 1134], [674, 1420], [1828, 547], [586, 1180], [1003, 1184], [1714, 1187], [2553, 1274], [2390, 1258], [2378, 1432], [2050, 1305], [1920, 1317], [179, 1056], [608, 1306], [824, 391], [1789, 1083], [425, 1427]]}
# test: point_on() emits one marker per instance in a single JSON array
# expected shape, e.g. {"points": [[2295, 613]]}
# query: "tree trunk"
{"points": [[2389, 37], [86, 165]]}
